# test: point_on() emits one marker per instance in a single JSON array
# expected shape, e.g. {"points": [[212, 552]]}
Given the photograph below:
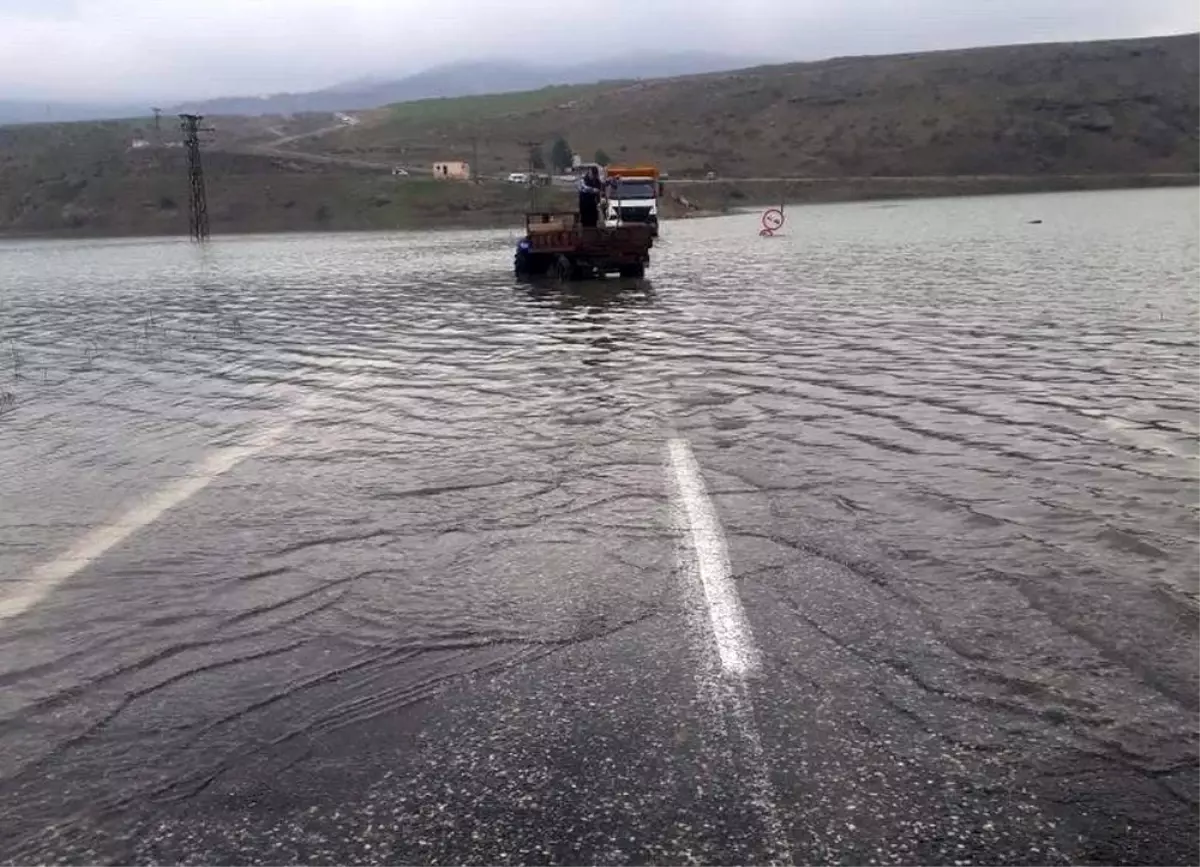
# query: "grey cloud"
{"points": [[168, 49]]}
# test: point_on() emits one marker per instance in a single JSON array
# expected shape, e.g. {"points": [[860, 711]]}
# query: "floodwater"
{"points": [[348, 548]]}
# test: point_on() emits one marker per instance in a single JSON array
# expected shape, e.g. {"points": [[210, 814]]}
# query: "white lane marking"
{"points": [[762, 790], [731, 631], [42, 581], [716, 611]]}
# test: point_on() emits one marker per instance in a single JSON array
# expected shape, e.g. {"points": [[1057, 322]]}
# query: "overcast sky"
{"points": [[180, 49]]}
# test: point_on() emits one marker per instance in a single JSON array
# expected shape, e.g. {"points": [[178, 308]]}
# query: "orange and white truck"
{"points": [[631, 196]]}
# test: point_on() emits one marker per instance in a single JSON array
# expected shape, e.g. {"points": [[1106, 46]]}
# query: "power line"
{"points": [[197, 201], [529, 149]]}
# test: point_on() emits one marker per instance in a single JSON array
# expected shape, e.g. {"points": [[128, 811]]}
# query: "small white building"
{"points": [[452, 170], [138, 143]]}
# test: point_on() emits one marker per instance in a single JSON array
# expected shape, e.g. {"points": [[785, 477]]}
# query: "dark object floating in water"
{"points": [[1035, 222]]}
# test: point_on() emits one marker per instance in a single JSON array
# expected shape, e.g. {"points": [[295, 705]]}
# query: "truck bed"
{"points": [[555, 242], [589, 241]]}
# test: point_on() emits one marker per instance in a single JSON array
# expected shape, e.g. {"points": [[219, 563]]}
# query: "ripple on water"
{"points": [[994, 424]]}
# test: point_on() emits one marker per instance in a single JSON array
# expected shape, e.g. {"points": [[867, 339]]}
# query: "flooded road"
{"points": [[873, 542]]}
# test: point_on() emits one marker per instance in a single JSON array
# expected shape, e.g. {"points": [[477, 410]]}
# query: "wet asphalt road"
{"points": [[347, 549]]}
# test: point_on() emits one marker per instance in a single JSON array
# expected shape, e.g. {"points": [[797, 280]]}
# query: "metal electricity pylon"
{"points": [[198, 203]]}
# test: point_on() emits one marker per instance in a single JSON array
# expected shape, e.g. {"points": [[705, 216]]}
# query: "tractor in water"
{"points": [[557, 245]]}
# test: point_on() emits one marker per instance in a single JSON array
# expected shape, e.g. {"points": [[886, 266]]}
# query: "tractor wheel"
{"points": [[563, 269]]}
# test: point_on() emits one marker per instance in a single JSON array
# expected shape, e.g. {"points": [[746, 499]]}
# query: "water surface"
{"points": [[954, 452]]}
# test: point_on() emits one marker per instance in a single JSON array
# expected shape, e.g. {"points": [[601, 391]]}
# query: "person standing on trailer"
{"points": [[589, 198]]}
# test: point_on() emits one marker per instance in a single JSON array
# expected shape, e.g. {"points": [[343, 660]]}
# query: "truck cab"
{"points": [[631, 196]]}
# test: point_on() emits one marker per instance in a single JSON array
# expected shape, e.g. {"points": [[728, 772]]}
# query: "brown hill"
{"points": [[1043, 116], [86, 179], [1104, 107]]}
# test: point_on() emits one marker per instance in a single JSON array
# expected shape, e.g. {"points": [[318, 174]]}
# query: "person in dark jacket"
{"points": [[589, 197]]}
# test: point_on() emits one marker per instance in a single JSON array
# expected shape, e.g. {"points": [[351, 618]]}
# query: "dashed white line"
{"points": [[731, 631], [706, 573], [42, 581]]}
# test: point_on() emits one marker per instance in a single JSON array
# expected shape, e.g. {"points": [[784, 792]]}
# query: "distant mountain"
{"points": [[453, 79], [666, 65], [470, 79], [1001, 119], [33, 111]]}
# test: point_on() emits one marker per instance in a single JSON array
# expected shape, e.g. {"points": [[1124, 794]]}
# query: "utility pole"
{"points": [[198, 205], [529, 146], [475, 158], [157, 127]]}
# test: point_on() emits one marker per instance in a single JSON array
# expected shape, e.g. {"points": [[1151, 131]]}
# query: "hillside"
{"points": [[1128, 106], [471, 78], [116, 191], [985, 120]]}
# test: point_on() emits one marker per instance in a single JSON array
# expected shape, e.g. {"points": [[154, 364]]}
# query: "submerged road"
{"points": [[874, 544]]}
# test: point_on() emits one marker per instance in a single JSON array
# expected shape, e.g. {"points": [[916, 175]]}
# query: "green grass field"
{"points": [[472, 108]]}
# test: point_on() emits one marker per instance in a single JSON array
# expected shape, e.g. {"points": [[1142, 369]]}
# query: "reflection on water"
{"points": [[584, 307], [994, 420], [590, 293]]}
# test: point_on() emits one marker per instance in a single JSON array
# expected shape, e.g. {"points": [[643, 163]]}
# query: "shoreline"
{"points": [[731, 194], [690, 199]]}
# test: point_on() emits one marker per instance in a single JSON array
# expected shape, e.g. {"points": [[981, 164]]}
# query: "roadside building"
{"points": [[452, 170]]}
